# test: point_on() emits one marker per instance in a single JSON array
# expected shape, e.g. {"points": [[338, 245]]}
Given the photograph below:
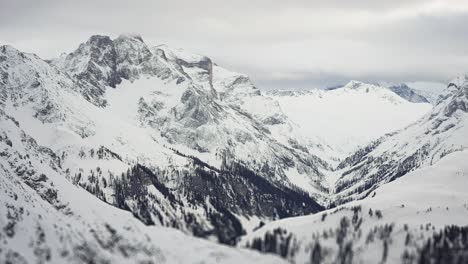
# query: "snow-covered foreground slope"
{"points": [[351, 116], [44, 218], [406, 221]]}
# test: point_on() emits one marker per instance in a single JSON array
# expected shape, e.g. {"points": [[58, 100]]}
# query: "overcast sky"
{"points": [[280, 44]]}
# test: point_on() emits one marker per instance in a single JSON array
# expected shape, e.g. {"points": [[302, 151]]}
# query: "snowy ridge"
{"points": [[405, 92], [364, 111], [440, 132], [210, 105], [164, 130], [418, 225], [47, 219], [418, 218]]}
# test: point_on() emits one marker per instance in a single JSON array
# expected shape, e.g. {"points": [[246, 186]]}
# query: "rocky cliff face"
{"points": [[404, 91], [45, 218], [163, 134]]}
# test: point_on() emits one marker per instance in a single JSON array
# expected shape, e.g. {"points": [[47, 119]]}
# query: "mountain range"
{"points": [[104, 148]]}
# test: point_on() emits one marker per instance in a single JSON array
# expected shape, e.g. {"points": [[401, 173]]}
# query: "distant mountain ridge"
{"points": [[407, 93], [401, 89], [363, 111], [400, 199], [439, 133]]}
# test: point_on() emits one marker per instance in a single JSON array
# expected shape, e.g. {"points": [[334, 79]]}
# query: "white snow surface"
{"points": [[77, 227], [438, 133], [433, 196], [350, 117], [176, 101]]}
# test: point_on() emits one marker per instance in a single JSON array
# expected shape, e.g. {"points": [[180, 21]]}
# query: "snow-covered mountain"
{"points": [[416, 92], [45, 218], [440, 132], [177, 141], [418, 218], [350, 116], [173, 142], [405, 92], [430, 90]]}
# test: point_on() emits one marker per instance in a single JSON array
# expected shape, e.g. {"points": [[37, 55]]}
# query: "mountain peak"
{"points": [[102, 61], [460, 82], [455, 97], [99, 40], [131, 36], [7, 48], [401, 89], [353, 84]]}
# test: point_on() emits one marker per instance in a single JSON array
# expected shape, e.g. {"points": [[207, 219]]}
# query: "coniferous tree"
{"points": [[316, 255]]}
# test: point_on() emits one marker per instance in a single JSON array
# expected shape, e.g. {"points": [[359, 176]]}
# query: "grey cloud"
{"points": [[292, 44]]}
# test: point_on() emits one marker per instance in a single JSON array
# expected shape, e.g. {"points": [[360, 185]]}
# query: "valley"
{"points": [[132, 146]]}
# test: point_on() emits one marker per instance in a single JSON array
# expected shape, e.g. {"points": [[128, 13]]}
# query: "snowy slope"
{"points": [[351, 116], [414, 205], [392, 226], [195, 106], [440, 132], [169, 125], [407, 93], [178, 141], [430, 90], [47, 219]]}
